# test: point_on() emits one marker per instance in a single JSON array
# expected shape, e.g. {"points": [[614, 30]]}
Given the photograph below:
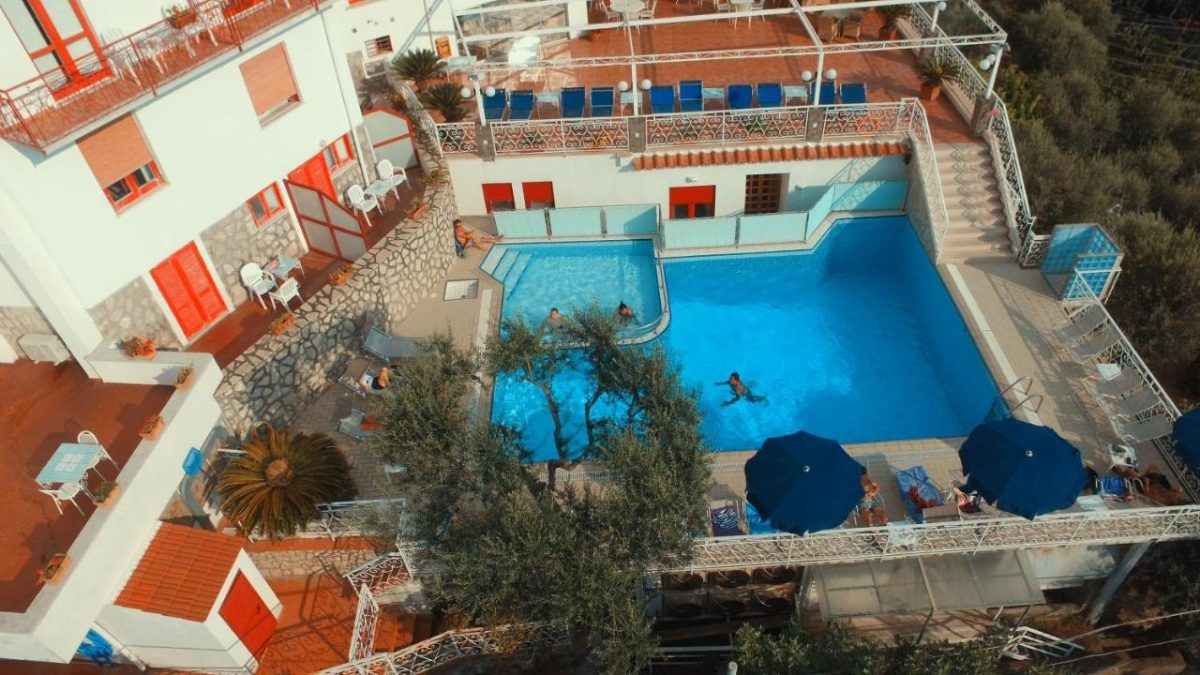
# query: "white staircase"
{"points": [[973, 203]]}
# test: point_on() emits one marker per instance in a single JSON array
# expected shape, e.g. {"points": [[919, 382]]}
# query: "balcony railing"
{"points": [[446, 648], [727, 125], [560, 135], [55, 105]]}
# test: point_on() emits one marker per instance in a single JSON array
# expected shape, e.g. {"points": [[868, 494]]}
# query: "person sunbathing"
{"points": [[1157, 487], [739, 391], [377, 383], [469, 236], [869, 507]]}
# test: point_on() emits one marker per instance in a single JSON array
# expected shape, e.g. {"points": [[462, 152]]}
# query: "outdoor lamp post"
{"points": [[831, 74], [937, 9], [468, 91], [991, 65]]}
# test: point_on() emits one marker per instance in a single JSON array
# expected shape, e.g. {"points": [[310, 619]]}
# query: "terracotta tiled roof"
{"points": [[790, 153], [181, 573]]}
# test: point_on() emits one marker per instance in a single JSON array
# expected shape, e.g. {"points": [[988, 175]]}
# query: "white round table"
{"points": [[741, 6], [629, 8]]}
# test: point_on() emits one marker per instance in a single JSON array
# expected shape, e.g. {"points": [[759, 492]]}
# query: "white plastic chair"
{"points": [[86, 437], [648, 13], [65, 493], [361, 200], [257, 281], [394, 177], [286, 293]]}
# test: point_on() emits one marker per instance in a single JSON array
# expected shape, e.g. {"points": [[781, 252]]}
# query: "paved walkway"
{"points": [[295, 558]]}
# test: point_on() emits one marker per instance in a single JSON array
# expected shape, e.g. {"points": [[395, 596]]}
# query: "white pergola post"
{"points": [[992, 75], [633, 78]]}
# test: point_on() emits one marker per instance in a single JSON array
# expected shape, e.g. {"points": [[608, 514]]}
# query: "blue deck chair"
{"points": [[828, 93], [573, 101], [495, 105], [602, 101], [770, 95], [854, 92], [691, 96], [520, 104], [662, 99], [739, 97], [916, 477]]}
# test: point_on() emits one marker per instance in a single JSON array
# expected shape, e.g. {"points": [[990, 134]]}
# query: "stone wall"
{"points": [[235, 240], [281, 375], [132, 311], [17, 321]]}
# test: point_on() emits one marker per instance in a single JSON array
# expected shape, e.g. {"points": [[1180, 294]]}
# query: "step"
{"points": [[422, 627], [514, 274], [506, 263], [961, 150], [974, 213], [971, 237], [492, 259]]}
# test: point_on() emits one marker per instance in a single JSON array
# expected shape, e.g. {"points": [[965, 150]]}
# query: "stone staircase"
{"points": [[973, 203]]}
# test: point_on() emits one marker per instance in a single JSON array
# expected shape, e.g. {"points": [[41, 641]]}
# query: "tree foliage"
{"points": [[419, 65], [510, 547]]}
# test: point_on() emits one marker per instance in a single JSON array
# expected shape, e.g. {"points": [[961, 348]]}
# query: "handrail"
{"points": [[926, 158]]}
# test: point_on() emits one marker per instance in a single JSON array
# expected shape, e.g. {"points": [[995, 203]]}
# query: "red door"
{"points": [[539, 195], [697, 201], [314, 174], [498, 197], [248, 616], [186, 285]]}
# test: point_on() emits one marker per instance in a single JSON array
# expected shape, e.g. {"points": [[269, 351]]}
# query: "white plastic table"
{"points": [[69, 464], [627, 7], [741, 6], [282, 266]]}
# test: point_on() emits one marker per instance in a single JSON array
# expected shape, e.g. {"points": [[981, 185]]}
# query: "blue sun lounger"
{"points": [[739, 97], [520, 104], [662, 99], [770, 95], [828, 93], [573, 101], [916, 477], [854, 92], [602, 102], [495, 105], [691, 96]]}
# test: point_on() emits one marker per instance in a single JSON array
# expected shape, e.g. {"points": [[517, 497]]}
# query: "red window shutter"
{"points": [[247, 615], [269, 79], [541, 193], [115, 151], [188, 289], [498, 196]]}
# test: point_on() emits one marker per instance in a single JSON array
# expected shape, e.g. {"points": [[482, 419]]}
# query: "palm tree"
{"points": [[274, 488], [447, 99], [419, 65]]}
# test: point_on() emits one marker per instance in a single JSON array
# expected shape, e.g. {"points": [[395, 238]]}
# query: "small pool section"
{"points": [[858, 341]]}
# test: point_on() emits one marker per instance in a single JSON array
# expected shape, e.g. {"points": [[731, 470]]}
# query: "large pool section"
{"points": [[857, 341]]}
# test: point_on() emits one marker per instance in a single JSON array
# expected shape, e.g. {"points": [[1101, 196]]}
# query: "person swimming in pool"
{"points": [[740, 391], [625, 313]]}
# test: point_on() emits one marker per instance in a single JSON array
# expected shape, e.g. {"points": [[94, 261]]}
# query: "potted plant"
{"points": [[447, 100], [282, 322], [417, 207], [437, 177], [341, 275], [52, 570], [933, 73], [891, 16], [180, 16], [419, 66], [185, 377], [106, 494], [138, 348], [151, 427]]}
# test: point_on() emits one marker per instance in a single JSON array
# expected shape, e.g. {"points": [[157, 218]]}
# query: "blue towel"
{"points": [[919, 478], [740, 96], [757, 524], [1113, 486], [662, 99], [770, 95], [691, 96], [602, 102], [573, 101], [494, 106]]}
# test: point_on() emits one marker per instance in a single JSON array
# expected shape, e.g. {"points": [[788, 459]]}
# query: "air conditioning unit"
{"points": [[44, 348]]}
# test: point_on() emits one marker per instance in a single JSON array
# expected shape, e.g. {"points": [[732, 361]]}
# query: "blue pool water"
{"points": [[857, 341]]}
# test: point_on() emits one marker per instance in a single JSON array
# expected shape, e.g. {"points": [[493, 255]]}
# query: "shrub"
{"points": [[1078, 112], [1054, 39], [419, 65], [446, 99]]}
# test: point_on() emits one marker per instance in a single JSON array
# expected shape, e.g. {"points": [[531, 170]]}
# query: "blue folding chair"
{"points": [[520, 104], [495, 105], [739, 97], [602, 102], [691, 96], [770, 95], [854, 92], [662, 99], [828, 93], [573, 101]]}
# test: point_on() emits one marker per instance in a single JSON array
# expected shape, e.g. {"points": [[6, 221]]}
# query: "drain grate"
{"points": [[461, 289]]}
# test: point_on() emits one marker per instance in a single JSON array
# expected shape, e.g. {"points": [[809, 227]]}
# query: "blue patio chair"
{"points": [[691, 96], [602, 101], [739, 97], [662, 99], [770, 95], [828, 93], [854, 92], [495, 105], [520, 104], [573, 101]]}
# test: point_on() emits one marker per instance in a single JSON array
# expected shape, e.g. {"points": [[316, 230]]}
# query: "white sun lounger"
{"points": [[1095, 345], [1133, 405], [1082, 324], [1140, 431], [387, 347], [1124, 382]]}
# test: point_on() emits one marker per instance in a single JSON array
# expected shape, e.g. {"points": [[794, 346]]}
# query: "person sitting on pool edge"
{"points": [[740, 391], [625, 313], [554, 321], [469, 236], [375, 384], [869, 506]]}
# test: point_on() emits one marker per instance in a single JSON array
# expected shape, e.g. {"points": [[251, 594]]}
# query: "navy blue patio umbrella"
{"points": [[1187, 439], [1022, 468], [803, 483]]}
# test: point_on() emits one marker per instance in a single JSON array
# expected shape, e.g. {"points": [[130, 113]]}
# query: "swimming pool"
{"points": [[857, 341]]}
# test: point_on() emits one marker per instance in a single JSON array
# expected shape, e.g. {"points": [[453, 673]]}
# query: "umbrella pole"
{"points": [[925, 625], [1114, 580]]}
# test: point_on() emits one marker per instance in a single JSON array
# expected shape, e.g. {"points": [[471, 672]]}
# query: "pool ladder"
{"points": [[1032, 402]]}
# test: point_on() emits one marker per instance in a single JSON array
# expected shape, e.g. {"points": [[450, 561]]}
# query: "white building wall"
{"points": [[605, 179], [11, 293]]}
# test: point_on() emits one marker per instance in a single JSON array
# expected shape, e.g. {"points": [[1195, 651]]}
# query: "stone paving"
{"points": [[301, 558]]}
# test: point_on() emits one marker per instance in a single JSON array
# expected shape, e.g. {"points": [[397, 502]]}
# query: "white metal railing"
{"points": [[931, 180], [1025, 641], [449, 647], [875, 120], [366, 620], [458, 137], [716, 126], [560, 135]]}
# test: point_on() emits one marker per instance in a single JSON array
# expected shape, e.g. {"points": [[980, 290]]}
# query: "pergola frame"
{"points": [[936, 38]]}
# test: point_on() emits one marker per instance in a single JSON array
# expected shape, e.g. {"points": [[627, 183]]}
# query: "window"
{"points": [[338, 153], [379, 46], [265, 205], [538, 195], [59, 40], [763, 192], [693, 202], [269, 81], [121, 162], [498, 197]]}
